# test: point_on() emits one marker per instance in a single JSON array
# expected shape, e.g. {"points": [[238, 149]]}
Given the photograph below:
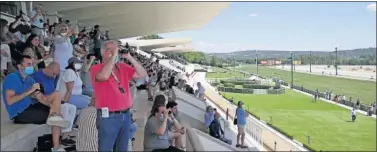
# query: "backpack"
{"points": [[44, 143]]}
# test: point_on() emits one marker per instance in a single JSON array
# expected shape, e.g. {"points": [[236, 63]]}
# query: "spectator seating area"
{"points": [[65, 45]]}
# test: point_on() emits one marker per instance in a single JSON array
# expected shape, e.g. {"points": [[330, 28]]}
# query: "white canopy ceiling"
{"points": [[130, 19], [157, 43], [174, 49]]}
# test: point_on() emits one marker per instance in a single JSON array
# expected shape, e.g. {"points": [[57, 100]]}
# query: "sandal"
{"points": [[150, 99], [238, 146], [244, 147]]}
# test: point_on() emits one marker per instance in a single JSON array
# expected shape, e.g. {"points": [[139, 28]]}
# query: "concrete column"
{"points": [[24, 8]]}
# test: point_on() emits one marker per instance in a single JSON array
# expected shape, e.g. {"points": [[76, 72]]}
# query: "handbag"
{"points": [[235, 121]]}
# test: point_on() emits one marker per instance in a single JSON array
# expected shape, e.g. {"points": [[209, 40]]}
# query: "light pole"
{"points": [[310, 61], [336, 60], [256, 61], [292, 60]]}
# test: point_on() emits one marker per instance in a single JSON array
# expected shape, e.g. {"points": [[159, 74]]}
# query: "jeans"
{"points": [[114, 131], [80, 101], [87, 90], [133, 130]]}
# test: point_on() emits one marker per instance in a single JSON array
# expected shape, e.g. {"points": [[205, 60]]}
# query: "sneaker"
{"points": [[59, 149], [68, 142], [56, 120]]}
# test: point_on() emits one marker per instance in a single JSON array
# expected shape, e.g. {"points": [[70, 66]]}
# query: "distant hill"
{"points": [[355, 53]]}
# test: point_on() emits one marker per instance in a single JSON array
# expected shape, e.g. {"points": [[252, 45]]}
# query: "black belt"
{"points": [[118, 111]]}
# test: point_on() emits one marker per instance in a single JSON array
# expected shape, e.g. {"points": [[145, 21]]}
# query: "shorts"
{"points": [[170, 135], [36, 113], [241, 128]]}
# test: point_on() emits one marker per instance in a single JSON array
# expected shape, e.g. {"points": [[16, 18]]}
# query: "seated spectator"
{"points": [[161, 91], [160, 100], [17, 89], [71, 85], [175, 129], [156, 136], [216, 131], [87, 133], [35, 51], [46, 78], [208, 116]]}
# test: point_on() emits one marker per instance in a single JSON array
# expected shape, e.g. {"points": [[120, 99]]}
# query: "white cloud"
{"points": [[255, 14], [372, 7]]}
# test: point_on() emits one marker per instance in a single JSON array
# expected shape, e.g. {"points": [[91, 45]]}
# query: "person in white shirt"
{"points": [[71, 85], [353, 115], [63, 48]]}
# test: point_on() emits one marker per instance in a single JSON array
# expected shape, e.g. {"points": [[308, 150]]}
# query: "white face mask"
{"points": [[77, 66], [63, 34], [47, 48]]}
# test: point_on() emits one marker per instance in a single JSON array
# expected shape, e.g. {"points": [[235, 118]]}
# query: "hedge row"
{"points": [[235, 90], [239, 82]]}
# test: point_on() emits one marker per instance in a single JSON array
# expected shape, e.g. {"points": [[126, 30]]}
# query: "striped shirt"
{"points": [[87, 136]]}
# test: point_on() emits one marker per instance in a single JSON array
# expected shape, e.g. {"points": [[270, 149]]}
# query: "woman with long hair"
{"points": [[35, 51]]}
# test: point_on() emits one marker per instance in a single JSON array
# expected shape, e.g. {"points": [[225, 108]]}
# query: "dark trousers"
{"points": [[97, 54], [34, 114], [170, 149], [353, 118]]}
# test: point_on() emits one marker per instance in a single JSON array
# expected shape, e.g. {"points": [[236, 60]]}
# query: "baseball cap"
{"points": [[74, 60]]}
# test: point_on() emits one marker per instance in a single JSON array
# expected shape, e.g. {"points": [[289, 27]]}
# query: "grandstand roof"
{"points": [[130, 19]]}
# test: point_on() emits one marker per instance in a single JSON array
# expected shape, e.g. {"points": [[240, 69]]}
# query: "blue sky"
{"points": [[317, 26]]}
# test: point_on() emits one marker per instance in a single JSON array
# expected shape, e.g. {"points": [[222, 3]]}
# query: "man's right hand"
{"points": [[35, 87]]}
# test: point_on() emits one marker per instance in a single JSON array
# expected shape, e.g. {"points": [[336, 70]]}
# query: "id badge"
{"points": [[105, 112], [121, 90]]}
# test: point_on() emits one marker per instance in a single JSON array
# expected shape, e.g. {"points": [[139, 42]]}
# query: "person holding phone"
{"points": [[156, 137], [37, 22], [110, 81]]}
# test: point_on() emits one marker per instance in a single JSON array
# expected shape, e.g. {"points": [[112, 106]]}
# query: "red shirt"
{"points": [[107, 92]]}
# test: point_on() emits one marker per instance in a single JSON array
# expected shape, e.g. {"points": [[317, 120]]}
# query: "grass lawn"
{"points": [[364, 90], [328, 125]]}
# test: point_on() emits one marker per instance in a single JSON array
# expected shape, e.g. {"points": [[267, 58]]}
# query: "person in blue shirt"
{"points": [[46, 78], [241, 116], [18, 87]]}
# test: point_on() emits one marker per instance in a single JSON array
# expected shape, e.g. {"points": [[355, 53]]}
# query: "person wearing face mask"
{"points": [[46, 78], [18, 90], [71, 85], [79, 47], [111, 80], [156, 136], [63, 48], [241, 116]]}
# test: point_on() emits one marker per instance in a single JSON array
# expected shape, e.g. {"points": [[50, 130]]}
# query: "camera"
{"points": [[124, 51], [41, 89]]}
